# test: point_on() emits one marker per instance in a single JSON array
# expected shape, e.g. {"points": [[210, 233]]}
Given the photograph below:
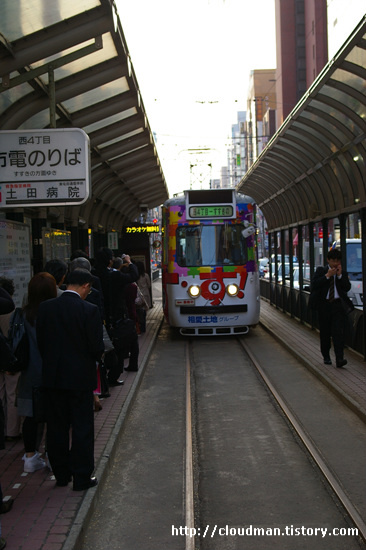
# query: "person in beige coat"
{"points": [[144, 284]]}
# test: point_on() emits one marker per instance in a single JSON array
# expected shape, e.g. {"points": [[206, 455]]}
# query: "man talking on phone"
{"points": [[329, 288]]}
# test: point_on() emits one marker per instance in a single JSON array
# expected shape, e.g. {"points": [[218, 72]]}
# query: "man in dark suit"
{"points": [[124, 333], [329, 288], [70, 340]]}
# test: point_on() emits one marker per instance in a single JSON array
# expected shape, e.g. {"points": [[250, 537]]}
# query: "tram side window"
{"points": [[211, 245]]}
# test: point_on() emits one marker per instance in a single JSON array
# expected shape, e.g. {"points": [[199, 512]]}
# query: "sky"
{"points": [[192, 60]]}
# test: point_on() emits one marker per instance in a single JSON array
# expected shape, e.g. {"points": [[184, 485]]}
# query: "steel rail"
{"points": [[189, 483]]}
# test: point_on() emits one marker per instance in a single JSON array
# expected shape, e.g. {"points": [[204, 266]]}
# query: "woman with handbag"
{"points": [[41, 287], [144, 286]]}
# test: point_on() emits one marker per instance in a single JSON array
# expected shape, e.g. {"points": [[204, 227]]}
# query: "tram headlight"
{"points": [[232, 289], [194, 291]]}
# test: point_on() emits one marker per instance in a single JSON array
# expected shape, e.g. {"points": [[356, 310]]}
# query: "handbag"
{"points": [[7, 357], [18, 341], [108, 345], [123, 334], [140, 300]]}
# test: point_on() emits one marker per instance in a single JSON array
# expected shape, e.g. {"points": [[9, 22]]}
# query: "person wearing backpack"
{"points": [[9, 380], [6, 306], [41, 287]]}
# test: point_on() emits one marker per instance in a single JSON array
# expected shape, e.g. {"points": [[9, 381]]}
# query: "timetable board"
{"points": [[15, 256]]}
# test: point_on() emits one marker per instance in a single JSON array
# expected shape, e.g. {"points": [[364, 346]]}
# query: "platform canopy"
{"points": [[80, 46], [314, 167]]}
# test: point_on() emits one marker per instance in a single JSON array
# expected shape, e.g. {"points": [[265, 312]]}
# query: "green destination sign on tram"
{"points": [[212, 211]]}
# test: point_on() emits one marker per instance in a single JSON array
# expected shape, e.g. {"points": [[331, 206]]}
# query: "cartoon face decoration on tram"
{"points": [[216, 284]]}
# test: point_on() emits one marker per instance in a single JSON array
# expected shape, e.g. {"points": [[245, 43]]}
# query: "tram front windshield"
{"points": [[211, 245]]}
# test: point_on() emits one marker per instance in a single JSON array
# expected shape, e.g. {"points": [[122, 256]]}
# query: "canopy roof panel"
{"points": [[95, 89], [315, 165]]}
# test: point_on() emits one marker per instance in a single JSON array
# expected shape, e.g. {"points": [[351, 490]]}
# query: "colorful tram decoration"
{"points": [[209, 268]]}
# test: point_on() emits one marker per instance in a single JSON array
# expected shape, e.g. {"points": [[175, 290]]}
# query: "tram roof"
{"points": [[314, 167], [96, 90]]}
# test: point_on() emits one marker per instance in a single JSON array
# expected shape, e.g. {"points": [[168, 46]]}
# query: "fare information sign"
{"points": [[44, 167], [212, 211]]}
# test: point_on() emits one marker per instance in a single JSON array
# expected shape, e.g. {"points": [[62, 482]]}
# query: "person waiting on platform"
{"points": [[57, 268], [102, 268], [124, 328], [144, 284], [42, 287], [6, 306], [328, 290], [9, 380], [70, 341]]}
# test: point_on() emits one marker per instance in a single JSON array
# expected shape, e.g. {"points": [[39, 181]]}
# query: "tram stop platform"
{"points": [[46, 517]]}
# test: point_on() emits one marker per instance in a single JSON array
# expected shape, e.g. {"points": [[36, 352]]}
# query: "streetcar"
{"points": [[209, 269]]}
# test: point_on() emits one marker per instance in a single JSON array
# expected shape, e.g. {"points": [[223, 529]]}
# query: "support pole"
{"points": [[52, 96]]}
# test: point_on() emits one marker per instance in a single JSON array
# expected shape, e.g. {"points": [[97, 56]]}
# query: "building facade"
{"points": [[302, 50], [261, 100]]}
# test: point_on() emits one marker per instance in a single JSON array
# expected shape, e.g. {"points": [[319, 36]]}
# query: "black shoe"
{"points": [[327, 361], [63, 482], [131, 369], [93, 482], [341, 363], [116, 383]]}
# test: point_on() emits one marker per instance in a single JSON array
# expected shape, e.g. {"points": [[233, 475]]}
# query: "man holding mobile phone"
{"points": [[329, 288]]}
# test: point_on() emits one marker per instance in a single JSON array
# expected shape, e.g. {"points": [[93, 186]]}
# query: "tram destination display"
{"points": [[44, 167], [211, 211]]}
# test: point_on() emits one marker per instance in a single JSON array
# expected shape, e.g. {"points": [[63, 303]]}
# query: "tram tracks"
{"points": [[312, 450], [238, 476]]}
